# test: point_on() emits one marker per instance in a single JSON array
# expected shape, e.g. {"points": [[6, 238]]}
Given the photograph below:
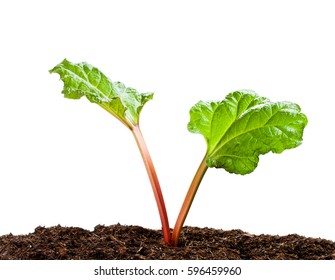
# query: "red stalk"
{"points": [[154, 181], [188, 201]]}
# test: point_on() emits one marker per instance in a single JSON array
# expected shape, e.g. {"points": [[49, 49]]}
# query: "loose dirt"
{"points": [[119, 242]]}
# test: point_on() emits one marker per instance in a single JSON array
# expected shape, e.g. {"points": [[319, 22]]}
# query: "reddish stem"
{"points": [[154, 182], [188, 201]]}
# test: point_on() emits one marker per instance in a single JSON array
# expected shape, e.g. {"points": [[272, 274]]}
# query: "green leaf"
{"points": [[83, 79], [243, 126]]}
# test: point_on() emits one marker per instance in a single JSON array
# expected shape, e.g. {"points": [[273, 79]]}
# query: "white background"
{"points": [[69, 162]]}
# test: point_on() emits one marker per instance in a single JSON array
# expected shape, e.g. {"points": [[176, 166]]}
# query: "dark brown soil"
{"points": [[119, 242]]}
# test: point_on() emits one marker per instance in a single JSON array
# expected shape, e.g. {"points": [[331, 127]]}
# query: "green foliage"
{"points": [[243, 126], [83, 79]]}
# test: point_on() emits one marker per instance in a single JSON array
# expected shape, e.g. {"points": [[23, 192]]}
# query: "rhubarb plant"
{"points": [[237, 130]]}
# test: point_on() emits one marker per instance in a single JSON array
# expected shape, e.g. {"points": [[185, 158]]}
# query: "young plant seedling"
{"points": [[237, 129]]}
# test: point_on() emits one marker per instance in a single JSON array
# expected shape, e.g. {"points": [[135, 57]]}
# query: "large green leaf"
{"points": [[83, 79], [243, 126]]}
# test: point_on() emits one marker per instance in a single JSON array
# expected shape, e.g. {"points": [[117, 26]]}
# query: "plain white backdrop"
{"points": [[69, 162]]}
